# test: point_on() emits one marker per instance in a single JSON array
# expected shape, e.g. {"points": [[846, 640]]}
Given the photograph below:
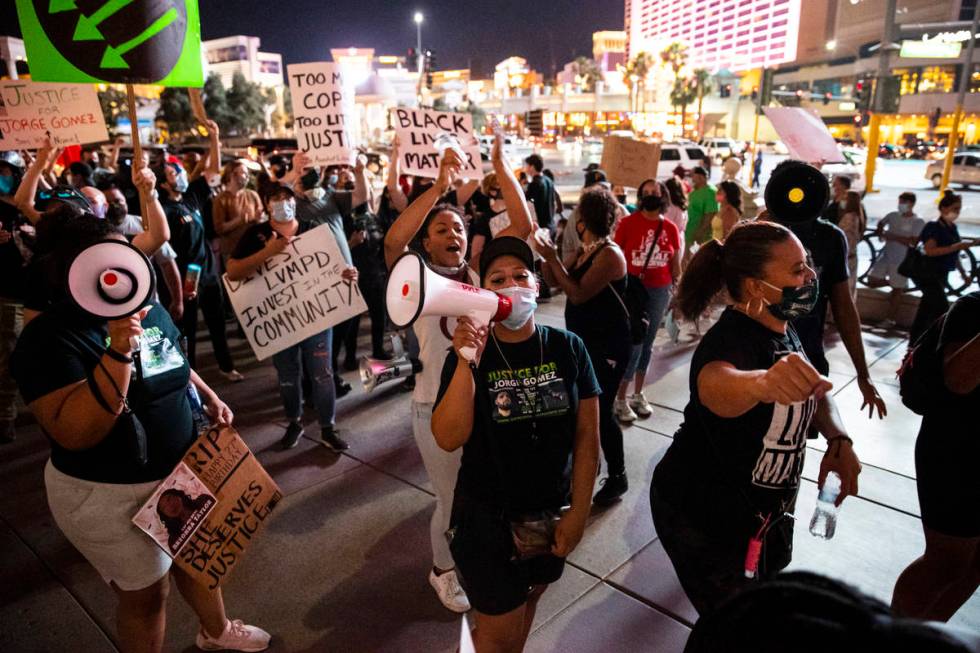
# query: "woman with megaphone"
{"points": [[438, 232], [103, 372], [525, 413]]}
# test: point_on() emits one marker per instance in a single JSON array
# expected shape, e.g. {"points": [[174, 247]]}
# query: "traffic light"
{"points": [[755, 93], [535, 122], [862, 89], [826, 98], [725, 90], [429, 63], [412, 58]]}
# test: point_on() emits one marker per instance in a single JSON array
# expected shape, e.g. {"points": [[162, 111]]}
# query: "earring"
{"points": [[762, 307]]}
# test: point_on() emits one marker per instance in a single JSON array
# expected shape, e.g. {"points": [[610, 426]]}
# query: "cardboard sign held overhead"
{"points": [[70, 113], [805, 134], [323, 111], [296, 294], [121, 41], [418, 131], [628, 162]]}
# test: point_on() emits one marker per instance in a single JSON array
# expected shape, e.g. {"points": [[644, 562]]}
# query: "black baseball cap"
{"points": [[593, 177], [590, 167], [505, 246], [698, 170]]}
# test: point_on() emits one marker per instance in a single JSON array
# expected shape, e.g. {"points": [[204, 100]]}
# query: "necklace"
{"points": [[591, 247]]}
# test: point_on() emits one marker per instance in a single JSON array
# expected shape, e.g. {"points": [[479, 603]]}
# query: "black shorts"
{"points": [[482, 549], [947, 478]]}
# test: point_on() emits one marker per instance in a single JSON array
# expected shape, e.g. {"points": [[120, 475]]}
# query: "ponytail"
{"points": [[744, 254]]}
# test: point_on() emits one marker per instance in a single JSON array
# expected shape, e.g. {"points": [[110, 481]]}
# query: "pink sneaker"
{"points": [[237, 636]]}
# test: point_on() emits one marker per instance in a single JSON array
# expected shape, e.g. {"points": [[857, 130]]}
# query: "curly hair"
{"points": [[597, 210]]}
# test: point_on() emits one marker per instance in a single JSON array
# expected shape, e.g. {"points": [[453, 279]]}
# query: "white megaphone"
{"points": [[415, 291], [374, 372]]}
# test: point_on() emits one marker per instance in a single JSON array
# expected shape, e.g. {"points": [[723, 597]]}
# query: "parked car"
{"points": [[720, 149], [965, 170], [853, 168], [679, 154], [774, 147]]}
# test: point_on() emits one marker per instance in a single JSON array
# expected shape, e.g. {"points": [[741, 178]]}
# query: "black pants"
{"points": [[210, 300], [373, 291], [609, 360], [932, 305]]}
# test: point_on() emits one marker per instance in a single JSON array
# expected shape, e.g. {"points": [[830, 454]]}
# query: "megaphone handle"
{"points": [[481, 319], [137, 358]]}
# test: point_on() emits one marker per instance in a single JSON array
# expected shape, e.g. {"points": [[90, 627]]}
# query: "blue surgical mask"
{"points": [[904, 208], [796, 301], [181, 183], [6, 184], [523, 302], [332, 180], [283, 211]]}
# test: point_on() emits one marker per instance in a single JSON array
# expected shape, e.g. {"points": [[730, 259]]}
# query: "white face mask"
{"points": [[181, 183], [315, 194], [523, 302], [284, 210], [904, 208]]}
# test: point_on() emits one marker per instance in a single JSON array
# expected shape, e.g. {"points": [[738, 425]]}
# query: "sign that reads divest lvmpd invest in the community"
{"points": [[296, 294], [323, 111], [419, 130], [117, 41], [69, 113]]}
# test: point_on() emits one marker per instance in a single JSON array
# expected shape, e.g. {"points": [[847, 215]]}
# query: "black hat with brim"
{"points": [[505, 246]]}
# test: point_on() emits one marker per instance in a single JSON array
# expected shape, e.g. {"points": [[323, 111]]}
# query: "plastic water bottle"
{"points": [[824, 521], [200, 418]]}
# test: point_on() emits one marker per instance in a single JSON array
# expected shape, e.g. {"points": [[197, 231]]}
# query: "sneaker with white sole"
{"points": [[623, 411], [449, 591], [640, 405], [237, 636]]}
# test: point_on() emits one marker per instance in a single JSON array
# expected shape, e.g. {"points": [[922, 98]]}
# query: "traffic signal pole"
{"points": [[965, 75], [761, 98], [878, 100]]}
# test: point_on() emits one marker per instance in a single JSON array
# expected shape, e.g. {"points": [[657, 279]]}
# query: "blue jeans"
{"points": [[659, 299], [313, 355]]}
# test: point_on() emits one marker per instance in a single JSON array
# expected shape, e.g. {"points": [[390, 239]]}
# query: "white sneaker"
{"points": [[449, 591], [640, 404], [237, 636], [234, 376], [623, 412]]}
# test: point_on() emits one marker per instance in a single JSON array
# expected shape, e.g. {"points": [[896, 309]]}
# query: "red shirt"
{"points": [[635, 234]]}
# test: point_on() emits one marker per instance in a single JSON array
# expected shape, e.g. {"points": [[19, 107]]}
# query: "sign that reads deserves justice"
{"points": [[323, 110], [417, 131], [629, 162], [295, 294], [70, 113]]}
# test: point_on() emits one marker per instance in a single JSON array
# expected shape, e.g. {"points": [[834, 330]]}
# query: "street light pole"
{"points": [[878, 100], [418, 40], [965, 79]]}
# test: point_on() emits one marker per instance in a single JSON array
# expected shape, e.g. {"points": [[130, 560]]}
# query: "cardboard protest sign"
{"points": [[323, 112], [629, 162], [418, 131], [121, 41], [805, 134], [70, 113], [175, 509], [296, 294], [245, 494]]}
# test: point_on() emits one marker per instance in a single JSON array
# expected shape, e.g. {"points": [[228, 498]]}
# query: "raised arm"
{"points": [[117, 144], [405, 228], [395, 194], [158, 229], [521, 221], [362, 189], [24, 198], [210, 163]]}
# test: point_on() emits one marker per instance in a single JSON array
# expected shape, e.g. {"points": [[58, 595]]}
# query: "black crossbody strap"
{"points": [[653, 246]]}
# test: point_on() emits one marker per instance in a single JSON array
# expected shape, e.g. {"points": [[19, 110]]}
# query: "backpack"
{"points": [[920, 378]]}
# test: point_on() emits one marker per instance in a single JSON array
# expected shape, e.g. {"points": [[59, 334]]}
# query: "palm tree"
{"points": [[674, 56], [682, 94], [589, 72], [701, 79], [635, 75]]}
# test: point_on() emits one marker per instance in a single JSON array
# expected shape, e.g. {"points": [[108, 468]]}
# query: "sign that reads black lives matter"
{"points": [[324, 112], [295, 294], [423, 132]]}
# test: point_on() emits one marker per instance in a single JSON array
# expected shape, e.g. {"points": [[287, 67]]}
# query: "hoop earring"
{"points": [[762, 307]]}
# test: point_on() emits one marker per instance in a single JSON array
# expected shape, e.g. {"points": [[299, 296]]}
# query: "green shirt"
{"points": [[699, 202]]}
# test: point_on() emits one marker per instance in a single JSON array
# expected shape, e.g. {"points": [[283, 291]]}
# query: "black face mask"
{"points": [[116, 213], [310, 180], [651, 203], [621, 199]]}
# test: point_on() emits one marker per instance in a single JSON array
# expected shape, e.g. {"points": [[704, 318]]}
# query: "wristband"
{"points": [[117, 356], [834, 439]]}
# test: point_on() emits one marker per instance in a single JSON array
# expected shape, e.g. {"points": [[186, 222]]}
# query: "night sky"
{"points": [[462, 33]]}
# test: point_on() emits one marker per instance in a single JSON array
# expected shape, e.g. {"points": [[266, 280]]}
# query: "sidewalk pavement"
{"points": [[343, 564]]}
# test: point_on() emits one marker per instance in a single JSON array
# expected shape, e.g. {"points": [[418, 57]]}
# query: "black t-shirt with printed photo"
{"points": [[62, 346], [187, 233], [722, 471], [519, 455], [827, 246]]}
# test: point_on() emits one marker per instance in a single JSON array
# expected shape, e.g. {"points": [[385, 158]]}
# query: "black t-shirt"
{"points": [[257, 235], [12, 270], [369, 255], [62, 346], [518, 457], [962, 325], [541, 191], [204, 195], [827, 246], [187, 233], [945, 234], [722, 471]]}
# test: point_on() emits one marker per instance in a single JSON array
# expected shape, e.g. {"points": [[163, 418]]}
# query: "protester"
{"points": [[852, 222], [677, 211], [594, 178], [733, 469], [80, 175], [439, 234], [16, 236], [517, 439], [942, 244], [236, 207], [594, 282], [940, 581], [826, 246], [181, 201], [365, 237], [839, 188], [260, 242], [899, 230], [480, 231], [702, 205], [540, 192], [652, 246], [729, 198], [75, 373]]}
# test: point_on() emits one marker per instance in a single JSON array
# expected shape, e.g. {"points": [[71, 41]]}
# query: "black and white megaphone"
{"points": [[415, 291], [374, 372]]}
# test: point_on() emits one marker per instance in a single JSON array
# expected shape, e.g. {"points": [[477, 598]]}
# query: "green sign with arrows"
{"points": [[115, 41]]}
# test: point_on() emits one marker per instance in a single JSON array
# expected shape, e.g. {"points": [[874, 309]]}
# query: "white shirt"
{"points": [[897, 224]]}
